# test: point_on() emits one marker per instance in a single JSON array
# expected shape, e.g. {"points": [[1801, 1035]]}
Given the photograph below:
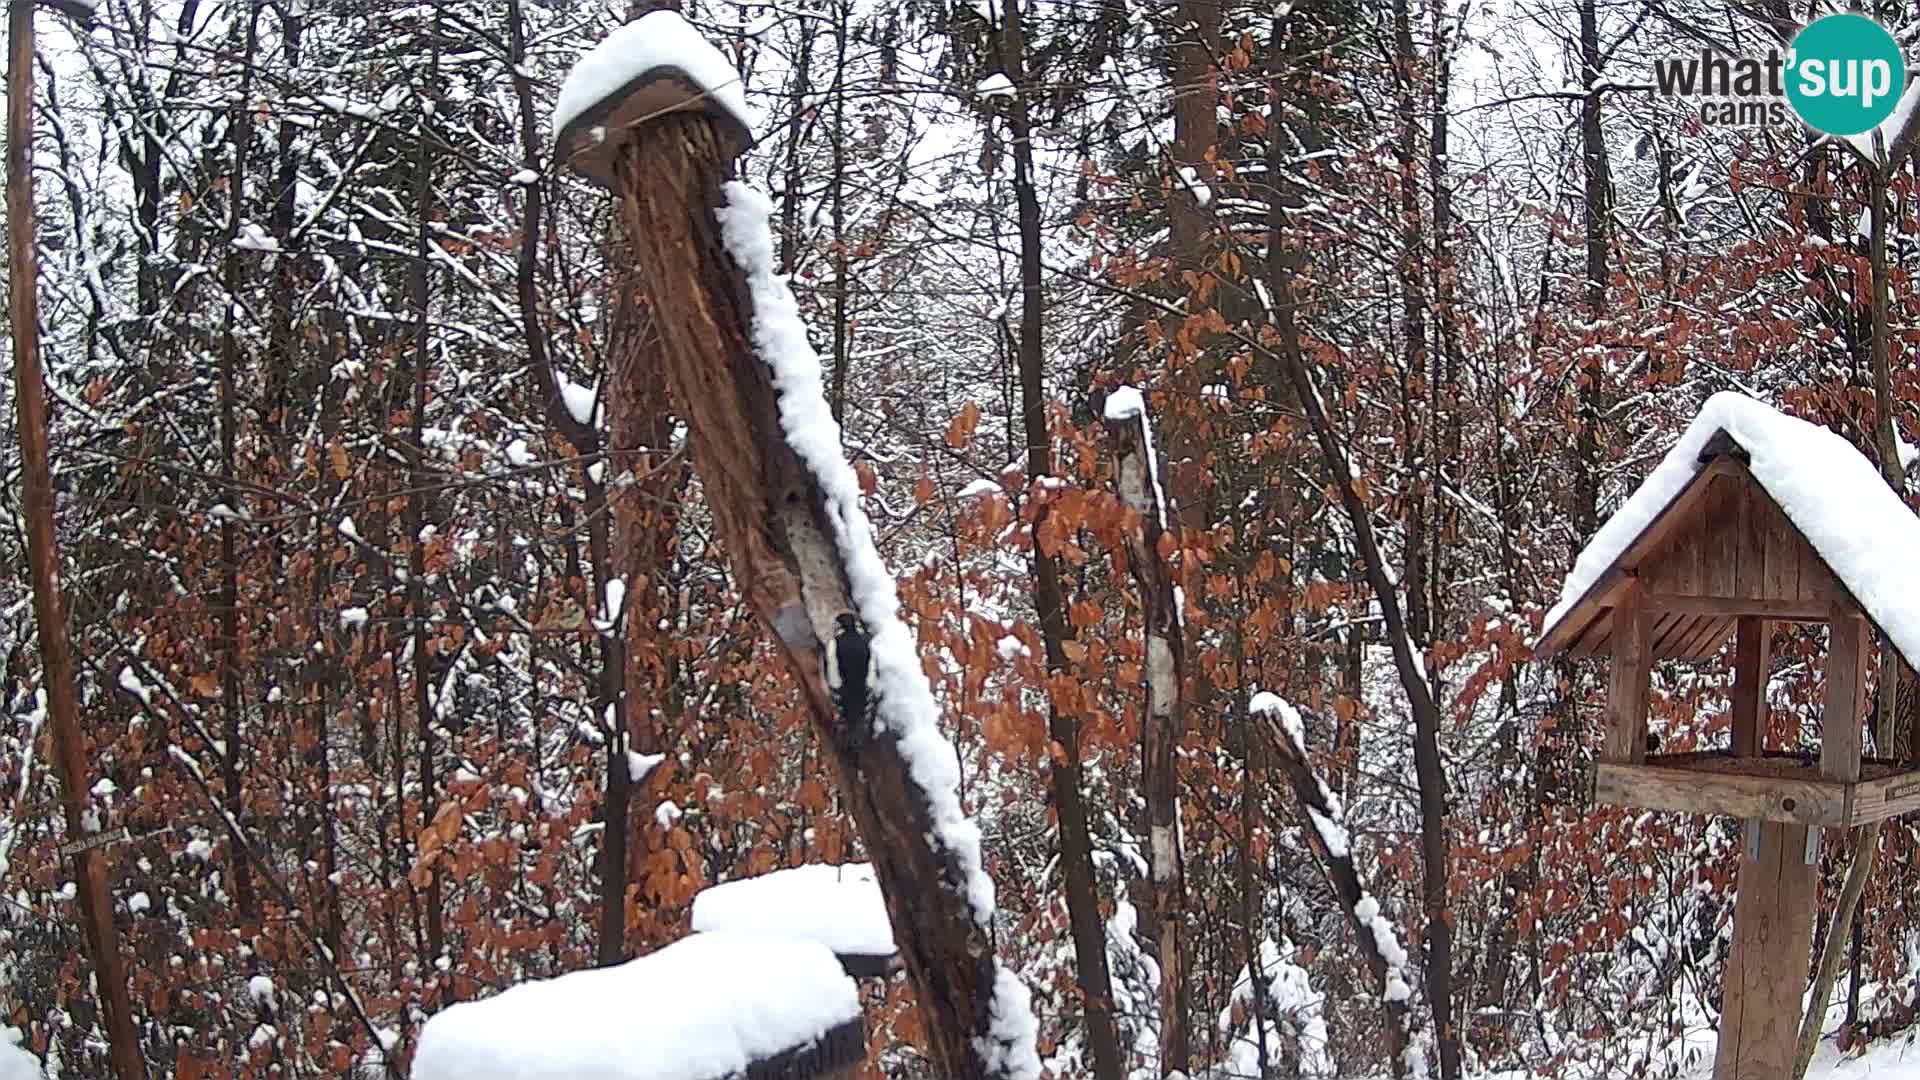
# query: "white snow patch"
{"points": [[611, 606], [667, 813], [524, 178], [254, 238], [708, 1005], [16, 1063], [518, 455], [354, 617], [996, 85], [640, 766], [579, 400], [657, 39], [261, 989], [1827, 489], [906, 705], [130, 682], [838, 906]]}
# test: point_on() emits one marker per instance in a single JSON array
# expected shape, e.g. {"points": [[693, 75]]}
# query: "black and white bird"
{"points": [[850, 675]]}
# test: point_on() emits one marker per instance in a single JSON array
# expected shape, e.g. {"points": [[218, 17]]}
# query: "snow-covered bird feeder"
{"points": [[840, 907], [651, 67], [707, 1007], [1753, 518]]}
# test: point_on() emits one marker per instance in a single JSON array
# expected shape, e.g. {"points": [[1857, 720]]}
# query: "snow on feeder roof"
{"points": [[707, 1007], [1850, 523], [840, 907], [655, 65]]}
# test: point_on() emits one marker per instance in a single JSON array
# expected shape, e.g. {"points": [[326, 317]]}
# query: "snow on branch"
{"points": [[906, 710], [1385, 957]]}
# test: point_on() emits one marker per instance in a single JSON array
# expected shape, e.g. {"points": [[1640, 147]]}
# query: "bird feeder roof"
{"points": [[652, 66], [1754, 489]]}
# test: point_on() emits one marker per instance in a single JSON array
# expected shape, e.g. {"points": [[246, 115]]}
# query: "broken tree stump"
{"points": [[1131, 434]]}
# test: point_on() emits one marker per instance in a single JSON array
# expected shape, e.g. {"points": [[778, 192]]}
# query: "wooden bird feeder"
{"points": [[1691, 561]]}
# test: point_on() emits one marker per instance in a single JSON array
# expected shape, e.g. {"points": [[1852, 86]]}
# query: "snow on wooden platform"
{"points": [[838, 906], [654, 65], [703, 1008]]}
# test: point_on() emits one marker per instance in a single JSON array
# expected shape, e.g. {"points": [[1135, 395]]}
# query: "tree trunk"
{"points": [[1049, 598], [1318, 805], [1165, 719], [772, 517], [43, 558], [1599, 224]]}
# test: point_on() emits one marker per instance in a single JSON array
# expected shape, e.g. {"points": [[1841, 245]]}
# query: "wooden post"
{"points": [[43, 559], [1751, 644], [1840, 723], [1632, 673], [771, 516], [1766, 969]]}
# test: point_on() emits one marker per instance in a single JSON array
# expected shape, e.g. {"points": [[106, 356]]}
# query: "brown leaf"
{"points": [[960, 431]]}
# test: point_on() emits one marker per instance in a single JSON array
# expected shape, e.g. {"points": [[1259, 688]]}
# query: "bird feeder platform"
{"points": [[1779, 787]]}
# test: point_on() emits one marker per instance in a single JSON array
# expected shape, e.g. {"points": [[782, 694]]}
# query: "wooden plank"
{"points": [[1790, 609], [1699, 791], [1665, 635], [1846, 685], [1782, 558], [1632, 673], [1591, 637], [1885, 797], [1751, 645], [1752, 561], [1706, 640], [1767, 967], [1719, 537]]}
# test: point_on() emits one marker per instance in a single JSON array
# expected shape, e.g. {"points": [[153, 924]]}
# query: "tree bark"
{"points": [[43, 557], [1599, 224], [772, 518], [1164, 721], [1049, 597]]}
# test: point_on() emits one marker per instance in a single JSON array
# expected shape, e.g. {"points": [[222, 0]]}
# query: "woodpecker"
{"points": [[850, 677]]}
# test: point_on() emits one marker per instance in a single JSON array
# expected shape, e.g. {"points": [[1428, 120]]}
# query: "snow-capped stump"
{"points": [[1753, 518], [652, 67], [707, 1007], [838, 906], [787, 506]]}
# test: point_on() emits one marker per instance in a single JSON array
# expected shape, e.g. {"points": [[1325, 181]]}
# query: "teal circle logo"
{"points": [[1845, 74]]}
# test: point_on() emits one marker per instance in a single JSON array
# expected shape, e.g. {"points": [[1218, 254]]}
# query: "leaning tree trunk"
{"points": [[780, 530]]}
